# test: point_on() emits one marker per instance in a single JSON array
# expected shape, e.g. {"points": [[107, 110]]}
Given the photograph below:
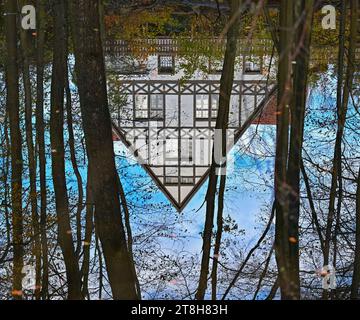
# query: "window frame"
{"points": [[203, 108], [140, 116], [166, 69], [157, 109]]}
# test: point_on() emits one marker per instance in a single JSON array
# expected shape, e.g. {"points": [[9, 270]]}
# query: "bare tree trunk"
{"points": [[348, 85], [342, 108], [12, 103], [6, 202], [264, 272], [282, 140], [31, 160], [304, 14], [219, 230], [40, 138], [58, 153], [356, 275], [295, 37], [314, 215], [339, 135], [348, 89], [79, 180], [101, 275], [273, 290], [129, 234], [89, 226], [226, 85], [98, 135]]}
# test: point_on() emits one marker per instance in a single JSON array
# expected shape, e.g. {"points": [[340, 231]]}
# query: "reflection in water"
{"points": [[167, 115]]}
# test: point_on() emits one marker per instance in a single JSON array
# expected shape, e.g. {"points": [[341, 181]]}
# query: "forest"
{"points": [[179, 150]]}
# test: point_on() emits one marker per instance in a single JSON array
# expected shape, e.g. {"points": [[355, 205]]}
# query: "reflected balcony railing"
{"points": [[165, 45]]}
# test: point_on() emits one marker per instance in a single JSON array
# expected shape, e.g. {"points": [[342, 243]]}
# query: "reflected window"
{"points": [[187, 150], [171, 180], [202, 146], [157, 107], [214, 106], [202, 106], [141, 107], [187, 180], [172, 151], [172, 176], [166, 64]]}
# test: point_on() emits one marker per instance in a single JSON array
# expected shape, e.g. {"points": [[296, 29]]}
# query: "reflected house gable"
{"points": [[168, 122]]}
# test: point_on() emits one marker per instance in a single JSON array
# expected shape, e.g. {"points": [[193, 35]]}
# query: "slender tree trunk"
{"points": [[226, 85], [348, 85], [12, 104], [356, 275], [89, 226], [6, 192], [129, 234], [348, 88], [304, 14], [40, 138], [282, 140], [264, 272], [58, 153], [219, 230], [336, 176], [31, 160], [101, 274], [98, 135], [79, 180], [339, 135], [314, 215], [273, 290]]}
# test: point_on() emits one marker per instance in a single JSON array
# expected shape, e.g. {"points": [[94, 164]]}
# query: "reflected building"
{"points": [[167, 118]]}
